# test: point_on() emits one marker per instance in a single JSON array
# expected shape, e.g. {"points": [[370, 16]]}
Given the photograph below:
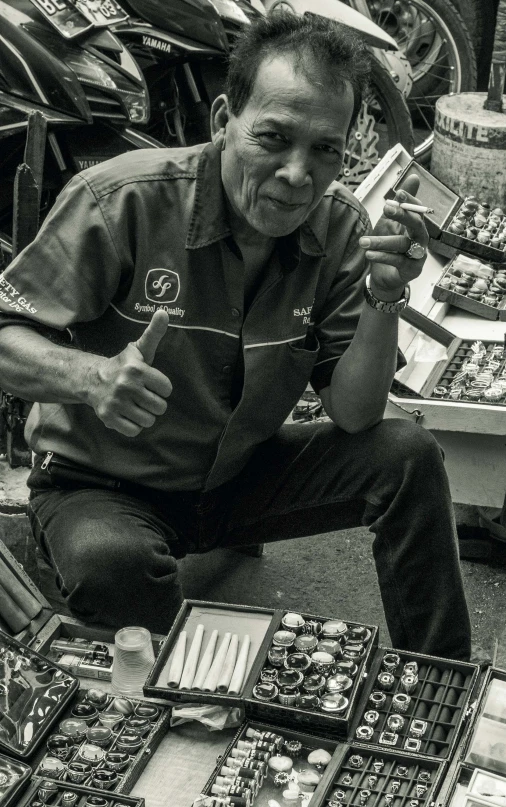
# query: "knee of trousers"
{"points": [[409, 447], [112, 571]]}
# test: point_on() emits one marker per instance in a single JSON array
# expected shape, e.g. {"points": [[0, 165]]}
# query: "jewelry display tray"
{"points": [[338, 767], [441, 736], [83, 793], [466, 760], [137, 761], [435, 194], [261, 624], [10, 790], [453, 297], [420, 379], [37, 638], [451, 687]]}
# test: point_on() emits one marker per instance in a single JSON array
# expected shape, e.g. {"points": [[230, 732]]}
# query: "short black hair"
{"points": [[325, 51]]}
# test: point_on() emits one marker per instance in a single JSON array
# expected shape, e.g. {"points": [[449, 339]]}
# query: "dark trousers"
{"points": [[115, 553]]}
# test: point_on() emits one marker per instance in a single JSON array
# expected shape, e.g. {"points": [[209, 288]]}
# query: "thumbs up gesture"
{"points": [[126, 392]]}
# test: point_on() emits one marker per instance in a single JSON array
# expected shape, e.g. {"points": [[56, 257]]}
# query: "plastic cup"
{"points": [[133, 659]]}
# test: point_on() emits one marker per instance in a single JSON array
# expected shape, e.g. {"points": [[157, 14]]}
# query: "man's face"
{"points": [[285, 148]]}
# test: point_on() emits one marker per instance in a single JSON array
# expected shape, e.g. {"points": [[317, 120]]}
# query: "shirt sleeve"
{"points": [[337, 315], [69, 273]]}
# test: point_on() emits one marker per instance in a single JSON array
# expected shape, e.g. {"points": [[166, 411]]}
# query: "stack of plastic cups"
{"points": [[133, 659]]}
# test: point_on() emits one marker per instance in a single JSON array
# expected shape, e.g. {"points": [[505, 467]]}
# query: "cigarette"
{"points": [[190, 665], [205, 664], [409, 206], [176, 667], [237, 680]]}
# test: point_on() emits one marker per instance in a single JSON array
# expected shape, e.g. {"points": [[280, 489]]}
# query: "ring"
{"points": [[355, 761], [47, 790], [371, 717], [408, 683], [401, 702], [378, 698], [415, 251], [395, 722], [364, 733], [386, 680], [390, 662], [417, 728]]}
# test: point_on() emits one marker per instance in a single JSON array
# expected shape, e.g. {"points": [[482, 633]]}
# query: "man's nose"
{"points": [[295, 170]]}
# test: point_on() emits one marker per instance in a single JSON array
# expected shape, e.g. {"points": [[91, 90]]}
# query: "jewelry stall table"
{"points": [[471, 434]]}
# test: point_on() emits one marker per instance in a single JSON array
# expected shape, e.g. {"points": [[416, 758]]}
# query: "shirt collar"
{"points": [[209, 221]]}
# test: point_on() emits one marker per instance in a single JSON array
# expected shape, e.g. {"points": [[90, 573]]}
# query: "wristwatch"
{"points": [[380, 305]]}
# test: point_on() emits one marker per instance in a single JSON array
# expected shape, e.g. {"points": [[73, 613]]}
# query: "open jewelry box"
{"points": [[14, 777], [308, 767], [270, 642], [446, 204], [329, 693], [478, 774], [464, 370], [31, 668], [483, 305], [62, 794]]}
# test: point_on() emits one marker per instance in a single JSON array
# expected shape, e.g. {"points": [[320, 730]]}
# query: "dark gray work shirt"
{"points": [[149, 229]]}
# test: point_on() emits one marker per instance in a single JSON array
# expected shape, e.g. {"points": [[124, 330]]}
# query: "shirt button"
{"points": [[236, 312], [227, 368]]}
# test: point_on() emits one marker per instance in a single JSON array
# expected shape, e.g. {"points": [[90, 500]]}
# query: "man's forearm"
{"points": [[34, 368], [358, 392]]}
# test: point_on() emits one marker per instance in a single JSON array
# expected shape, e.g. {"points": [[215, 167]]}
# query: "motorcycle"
{"points": [[63, 60], [434, 38], [182, 50]]}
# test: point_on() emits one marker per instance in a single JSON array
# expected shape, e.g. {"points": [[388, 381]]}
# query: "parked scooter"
{"points": [[182, 48], [63, 60]]}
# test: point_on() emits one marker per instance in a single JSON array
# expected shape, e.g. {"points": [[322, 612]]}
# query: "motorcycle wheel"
{"points": [[383, 121], [435, 40]]}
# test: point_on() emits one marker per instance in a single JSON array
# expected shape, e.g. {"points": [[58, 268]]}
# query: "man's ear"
{"points": [[220, 115]]}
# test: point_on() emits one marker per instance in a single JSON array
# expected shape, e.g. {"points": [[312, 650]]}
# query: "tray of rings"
{"points": [[290, 668], [415, 703], [383, 779], [469, 225], [473, 286], [475, 373], [62, 794], [103, 741]]}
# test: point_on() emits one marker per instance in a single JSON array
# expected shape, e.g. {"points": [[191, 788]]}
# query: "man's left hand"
{"points": [[386, 247]]}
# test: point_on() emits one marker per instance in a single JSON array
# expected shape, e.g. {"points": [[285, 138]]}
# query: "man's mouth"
{"points": [[285, 205]]}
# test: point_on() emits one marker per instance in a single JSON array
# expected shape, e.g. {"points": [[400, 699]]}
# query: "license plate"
{"points": [[64, 16], [74, 17], [102, 12]]}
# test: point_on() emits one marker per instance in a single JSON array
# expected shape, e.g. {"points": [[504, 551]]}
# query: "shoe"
{"points": [[475, 543]]}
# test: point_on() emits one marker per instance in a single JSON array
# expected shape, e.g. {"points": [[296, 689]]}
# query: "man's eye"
{"points": [[271, 138], [329, 151]]}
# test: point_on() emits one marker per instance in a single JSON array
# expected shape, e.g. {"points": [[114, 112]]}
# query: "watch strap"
{"points": [[394, 307]]}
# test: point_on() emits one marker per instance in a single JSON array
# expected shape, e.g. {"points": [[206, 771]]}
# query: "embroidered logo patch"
{"points": [[162, 286]]}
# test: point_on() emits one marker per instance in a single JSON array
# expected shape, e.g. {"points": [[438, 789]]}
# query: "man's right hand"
{"points": [[126, 393]]}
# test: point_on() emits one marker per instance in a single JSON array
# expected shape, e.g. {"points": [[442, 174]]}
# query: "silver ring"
{"points": [[416, 251], [401, 701]]}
